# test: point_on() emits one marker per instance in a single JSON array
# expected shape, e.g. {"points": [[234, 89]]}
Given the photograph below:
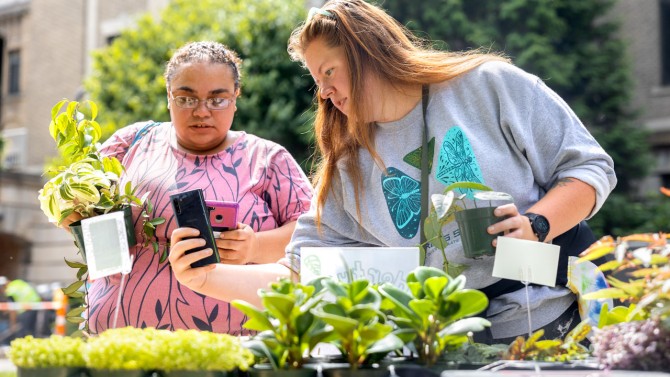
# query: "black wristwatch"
{"points": [[539, 224]]}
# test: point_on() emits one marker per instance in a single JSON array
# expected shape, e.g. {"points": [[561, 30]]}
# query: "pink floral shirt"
{"points": [[260, 175]]}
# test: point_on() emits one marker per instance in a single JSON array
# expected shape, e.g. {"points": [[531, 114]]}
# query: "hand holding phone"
{"points": [[191, 211], [222, 215]]}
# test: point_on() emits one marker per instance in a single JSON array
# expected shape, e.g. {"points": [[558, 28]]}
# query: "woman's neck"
{"points": [[231, 137], [396, 102]]}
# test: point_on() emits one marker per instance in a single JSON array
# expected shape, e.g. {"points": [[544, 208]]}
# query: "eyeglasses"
{"points": [[214, 103]]}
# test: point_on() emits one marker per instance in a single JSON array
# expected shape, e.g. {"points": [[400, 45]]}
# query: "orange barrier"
{"points": [[59, 296], [59, 304]]}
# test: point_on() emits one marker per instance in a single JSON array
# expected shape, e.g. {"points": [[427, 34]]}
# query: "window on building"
{"points": [[14, 71], [665, 180], [111, 39]]}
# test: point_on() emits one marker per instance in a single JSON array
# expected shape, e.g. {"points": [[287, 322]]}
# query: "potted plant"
{"points": [[288, 330], [131, 351], [87, 185], [550, 350], [636, 336], [56, 356], [436, 316], [360, 330], [472, 222]]}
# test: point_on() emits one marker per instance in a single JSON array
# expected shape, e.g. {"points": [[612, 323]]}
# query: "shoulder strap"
{"points": [[424, 172], [143, 131]]}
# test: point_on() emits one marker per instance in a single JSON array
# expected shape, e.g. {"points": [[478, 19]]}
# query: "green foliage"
{"points": [[55, 351], [618, 314], [359, 328], [433, 319], [550, 349], [622, 215], [288, 330], [151, 349], [275, 103]]}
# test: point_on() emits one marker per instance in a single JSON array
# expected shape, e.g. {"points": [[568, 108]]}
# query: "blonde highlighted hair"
{"points": [[374, 44]]}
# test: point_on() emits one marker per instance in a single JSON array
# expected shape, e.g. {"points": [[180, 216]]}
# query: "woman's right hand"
{"points": [[193, 278]]}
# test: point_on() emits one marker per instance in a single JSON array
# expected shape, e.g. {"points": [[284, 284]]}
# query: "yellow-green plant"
{"points": [[55, 351], [566, 349], [644, 258]]}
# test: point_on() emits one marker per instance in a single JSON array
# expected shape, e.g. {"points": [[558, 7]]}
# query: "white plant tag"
{"points": [[523, 260], [106, 245]]}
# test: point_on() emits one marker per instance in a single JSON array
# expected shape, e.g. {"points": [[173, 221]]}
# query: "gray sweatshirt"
{"points": [[497, 125]]}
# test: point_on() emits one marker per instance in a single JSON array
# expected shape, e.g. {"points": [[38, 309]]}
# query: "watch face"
{"points": [[541, 224]]}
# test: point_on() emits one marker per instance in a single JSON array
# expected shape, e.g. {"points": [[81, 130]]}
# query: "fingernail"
{"points": [[490, 229]]}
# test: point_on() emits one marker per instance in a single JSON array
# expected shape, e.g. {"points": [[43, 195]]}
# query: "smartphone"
{"points": [[191, 211], [222, 215]]}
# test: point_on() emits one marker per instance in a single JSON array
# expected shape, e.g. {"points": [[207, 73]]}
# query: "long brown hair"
{"points": [[374, 44]]}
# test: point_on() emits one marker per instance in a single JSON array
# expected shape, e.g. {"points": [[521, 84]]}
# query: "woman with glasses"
{"points": [[385, 99], [198, 150]]}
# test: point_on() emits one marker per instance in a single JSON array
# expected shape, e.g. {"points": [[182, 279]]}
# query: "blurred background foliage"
{"points": [[127, 81], [572, 45]]}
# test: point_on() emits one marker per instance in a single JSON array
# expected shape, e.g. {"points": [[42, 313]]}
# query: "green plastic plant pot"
{"points": [[472, 224], [196, 373], [119, 373], [78, 234], [265, 370], [51, 372]]}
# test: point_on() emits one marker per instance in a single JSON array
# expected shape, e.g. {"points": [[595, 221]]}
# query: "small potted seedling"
{"points": [[472, 222]]}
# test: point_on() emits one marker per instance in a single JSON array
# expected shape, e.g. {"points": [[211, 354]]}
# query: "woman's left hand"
{"points": [[237, 246], [514, 225]]}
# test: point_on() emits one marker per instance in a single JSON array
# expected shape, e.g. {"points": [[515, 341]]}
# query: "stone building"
{"points": [[45, 50], [44, 55]]}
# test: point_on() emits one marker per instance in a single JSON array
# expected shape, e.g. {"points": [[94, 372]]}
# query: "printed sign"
{"points": [[377, 264]]}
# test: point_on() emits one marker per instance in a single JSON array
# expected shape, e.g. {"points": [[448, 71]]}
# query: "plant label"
{"points": [[106, 245], [377, 264], [526, 261]]}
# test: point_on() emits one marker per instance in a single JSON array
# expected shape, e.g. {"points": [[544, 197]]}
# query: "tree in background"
{"points": [[574, 47], [127, 80]]}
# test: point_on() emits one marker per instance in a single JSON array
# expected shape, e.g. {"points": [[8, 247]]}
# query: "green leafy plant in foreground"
{"points": [[88, 185], [359, 328], [433, 318], [288, 330]]}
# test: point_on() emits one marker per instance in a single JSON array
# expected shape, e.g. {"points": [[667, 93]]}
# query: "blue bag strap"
{"points": [[143, 131]]}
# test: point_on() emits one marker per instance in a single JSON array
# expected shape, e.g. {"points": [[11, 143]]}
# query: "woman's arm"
{"points": [[243, 245], [566, 204], [225, 282]]}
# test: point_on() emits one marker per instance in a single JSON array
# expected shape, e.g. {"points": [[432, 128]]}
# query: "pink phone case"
{"points": [[222, 215]]}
